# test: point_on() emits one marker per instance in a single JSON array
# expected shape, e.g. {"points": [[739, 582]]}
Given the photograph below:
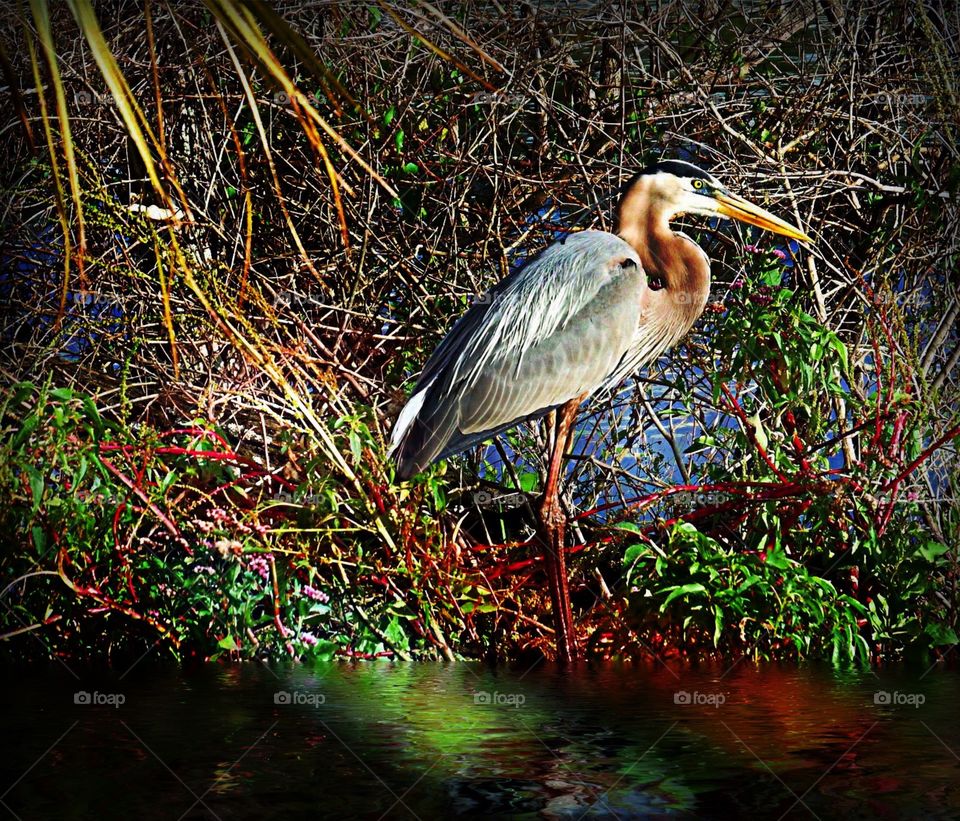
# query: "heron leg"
{"points": [[553, 528]]}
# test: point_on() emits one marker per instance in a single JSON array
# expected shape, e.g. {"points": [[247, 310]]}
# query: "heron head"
{"points": [[675, 187]]}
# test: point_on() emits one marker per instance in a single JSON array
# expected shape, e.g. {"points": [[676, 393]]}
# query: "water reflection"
{"points": [[408, 740]]}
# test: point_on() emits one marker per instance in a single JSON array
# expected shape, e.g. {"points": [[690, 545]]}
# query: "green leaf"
{"points": [[228, 643], [528, 481], [940, 634], [62, 394], [389, 114], [39, 540], [398, 140], [27, 428], [750, 582], [91, 412], [36, 485], [633, 553], [841, 351], [932, 550], [439, 498], [854, 604], [80, 472], [682, 590], [777, 559], [395, 634], [411, 168], [323, 649], [21, 392]]}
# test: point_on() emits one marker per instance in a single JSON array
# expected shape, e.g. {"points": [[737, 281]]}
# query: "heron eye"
{"points": [[655, 283], [698, 184]]}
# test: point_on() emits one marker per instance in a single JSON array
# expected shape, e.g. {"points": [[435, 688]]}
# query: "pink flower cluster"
{"points": [[260, 565], [315, 594], [756, 249]]}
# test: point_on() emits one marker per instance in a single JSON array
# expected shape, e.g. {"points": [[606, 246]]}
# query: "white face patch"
{"points": [[689, 195]]}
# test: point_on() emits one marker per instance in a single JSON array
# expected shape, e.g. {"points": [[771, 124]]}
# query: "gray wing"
{"points": [[552, 331]]}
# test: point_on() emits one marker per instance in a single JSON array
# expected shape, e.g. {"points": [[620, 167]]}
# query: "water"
{"points": [[462, 740]]}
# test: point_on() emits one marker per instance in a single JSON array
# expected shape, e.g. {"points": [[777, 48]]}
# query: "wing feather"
{"points": [[548, 333]]}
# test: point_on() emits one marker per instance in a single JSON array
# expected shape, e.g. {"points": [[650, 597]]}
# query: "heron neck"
{"points": [[676, 259]]}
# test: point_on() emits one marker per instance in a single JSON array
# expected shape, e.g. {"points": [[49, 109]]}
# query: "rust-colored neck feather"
{"points": [[643, 220]]}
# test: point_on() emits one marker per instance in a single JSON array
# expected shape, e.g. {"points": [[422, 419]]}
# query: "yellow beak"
{"points": [[730, 205]]}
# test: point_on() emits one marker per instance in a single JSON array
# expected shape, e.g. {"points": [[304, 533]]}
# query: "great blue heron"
{"points": [[587, 312]]}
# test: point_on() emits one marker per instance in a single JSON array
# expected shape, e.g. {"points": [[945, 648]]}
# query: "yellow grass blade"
{"points": [[165, 298], [295, 42], [241, 24], [133, 117], [460, 34], [246, 29], [264, 361], [41, 18], [434, 47], [59, 196], [268, 153], [138, 129]]}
